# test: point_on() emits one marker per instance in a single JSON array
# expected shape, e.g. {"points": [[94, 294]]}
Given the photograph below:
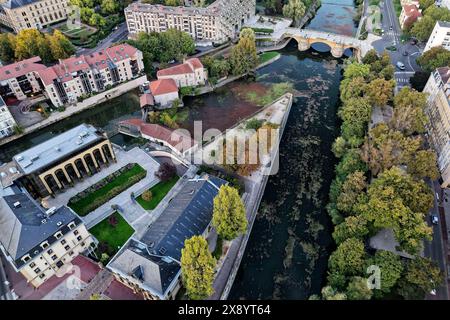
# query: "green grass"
{"points": [[96, 198], [159, 191], [397, 7], [276, 91], [114, 236], [266, 56]]}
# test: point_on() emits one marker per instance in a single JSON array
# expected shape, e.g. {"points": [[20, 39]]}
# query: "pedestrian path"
{"points": [[98, 285]]}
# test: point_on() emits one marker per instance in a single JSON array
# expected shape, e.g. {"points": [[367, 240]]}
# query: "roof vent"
{"points": [[57, 149], [44, 221], [50, 211], [59, 223], [19, 158], [2, 174], [17, 204]]}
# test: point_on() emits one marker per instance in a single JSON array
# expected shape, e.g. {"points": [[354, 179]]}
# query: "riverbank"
{"points": [[79, 107]]}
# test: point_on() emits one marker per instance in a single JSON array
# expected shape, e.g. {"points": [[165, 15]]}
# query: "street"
{"points": [[117, 35], [405, 51]]}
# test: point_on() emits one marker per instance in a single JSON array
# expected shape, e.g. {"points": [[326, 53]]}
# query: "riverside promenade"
{"points": [[254, 186]]}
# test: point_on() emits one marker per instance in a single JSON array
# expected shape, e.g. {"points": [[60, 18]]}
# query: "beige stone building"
{"points": [[217, 23], [33, 14], [189, 74], [38, 242], [438, 111]]}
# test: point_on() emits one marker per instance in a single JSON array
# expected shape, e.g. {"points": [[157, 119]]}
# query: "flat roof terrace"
{"points": [[57, 148]]}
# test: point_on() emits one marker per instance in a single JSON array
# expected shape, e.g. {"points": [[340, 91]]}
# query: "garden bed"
{"points": [[158, 191], [106, 189]]}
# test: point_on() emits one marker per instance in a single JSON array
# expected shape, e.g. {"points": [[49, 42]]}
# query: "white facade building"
{"points": [[218, 22], [439, 37], [189, 74], [7, 121]]}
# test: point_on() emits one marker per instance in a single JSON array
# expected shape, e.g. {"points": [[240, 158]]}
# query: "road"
{"points": [[393, 38], [117, 35], [436, 248]]}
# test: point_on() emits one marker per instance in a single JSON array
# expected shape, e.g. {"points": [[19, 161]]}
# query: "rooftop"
{"points": [[13, 4], [153, 260], [56, 148], [443, 24], [163, 86], [24, 225], [21, 68]]}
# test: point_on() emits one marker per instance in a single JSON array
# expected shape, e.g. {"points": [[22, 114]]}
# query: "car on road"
{"points": [[434, 219], [400, 65], [390, 28]]}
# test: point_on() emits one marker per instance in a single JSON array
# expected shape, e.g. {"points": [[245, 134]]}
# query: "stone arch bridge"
{"points": [[338, 43]]}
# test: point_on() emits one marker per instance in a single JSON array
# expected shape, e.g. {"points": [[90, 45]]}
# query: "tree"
{"points": [[174, 44], [358, 289], [109, 6], [352, 227], [229, 213], [354, 70], [104, 258], [421, 276], [328, 293], [7, 46], [60, 46], [355, 113], [147, 195], [112, 219], [243, 57], [95, 296], [398, 202], [197, 268], [419, 80], [409, 116], [351, 162], [339, 147], [352, 88], [295, 10], [348, 259], [370, 57], [380, 91], [351, 192], [391, 269], [434, 58], [422, 28], [166, 171], [424, 4], [423, 165]]}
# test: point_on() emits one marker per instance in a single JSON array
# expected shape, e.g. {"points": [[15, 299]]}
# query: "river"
{"points": [[287, 253]]}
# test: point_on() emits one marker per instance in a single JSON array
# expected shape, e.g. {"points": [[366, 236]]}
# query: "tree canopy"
{"points": [[243, 57]]}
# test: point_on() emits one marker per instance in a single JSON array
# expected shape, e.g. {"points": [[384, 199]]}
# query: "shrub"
{"points": [[112, 220], [166, 171], [147, 195]]}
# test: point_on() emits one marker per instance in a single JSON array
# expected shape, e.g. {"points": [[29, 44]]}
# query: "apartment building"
{"points": [[150, 264], [189, 74], [18, 80], [38, 242], [440, 36], [7, 121], [438, 111], [217, 23], [77, 77], [33, 14]]}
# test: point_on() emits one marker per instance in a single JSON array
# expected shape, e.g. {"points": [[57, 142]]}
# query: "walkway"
{"points": [[98, 285]]}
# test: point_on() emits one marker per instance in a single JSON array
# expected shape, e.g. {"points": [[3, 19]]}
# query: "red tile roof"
{"points": [[187, 67], [411, 10], [175, 138], [21, 68], [163, 86], [196, 63], [147, 100]]}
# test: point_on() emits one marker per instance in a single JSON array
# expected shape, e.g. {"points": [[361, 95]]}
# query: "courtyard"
{"points": [[159, 191]]}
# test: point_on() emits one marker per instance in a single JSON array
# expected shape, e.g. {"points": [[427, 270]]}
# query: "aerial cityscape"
{"points": [[231, 150]]}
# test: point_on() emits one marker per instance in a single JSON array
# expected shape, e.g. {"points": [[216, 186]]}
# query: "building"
{"points": [[61, 161], [180, 143], [150, 264], [438, 111], [38, 242], [164, 91], [189, 74], [439, 37], [18, 80], [33, 14], [7, 122], [79, 77], [410, 14], [218, 22]]}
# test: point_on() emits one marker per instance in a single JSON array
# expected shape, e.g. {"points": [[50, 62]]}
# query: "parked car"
{"points": [[434, 219], [390, 28], [400, 65]]}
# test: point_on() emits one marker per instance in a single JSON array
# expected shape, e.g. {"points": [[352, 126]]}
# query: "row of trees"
{"points": [[93, 12], [379, 185], [197, 262], [422, 28], [31, 42]]}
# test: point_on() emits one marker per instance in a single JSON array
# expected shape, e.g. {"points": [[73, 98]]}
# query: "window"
{"points": [[26, 258], [58, 235], [32, 265], [79, 238], [54, 257], [67, 247], [72, 225], [75, 232], [37, 270], [42, 275], [44, 245], [71, 253], [50, 251], [63, 241]]}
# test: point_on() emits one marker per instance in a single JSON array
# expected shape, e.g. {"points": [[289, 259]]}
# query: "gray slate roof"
{"points": [[157, 252], [22, 229], [13, 4]]}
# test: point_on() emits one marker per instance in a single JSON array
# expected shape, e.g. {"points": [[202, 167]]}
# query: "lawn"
{"points": [[159, 191], [115, 185], [113, 236], [266, 56]]}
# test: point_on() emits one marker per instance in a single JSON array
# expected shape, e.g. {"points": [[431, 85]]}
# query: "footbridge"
{"points": [[338, 43]]}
